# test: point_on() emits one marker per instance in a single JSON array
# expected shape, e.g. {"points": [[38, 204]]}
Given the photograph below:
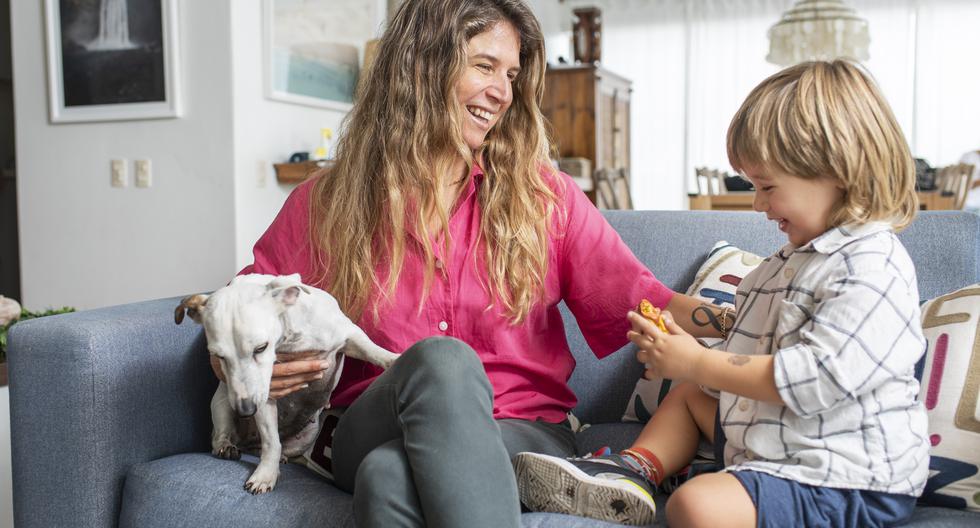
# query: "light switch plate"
{"points": [[118, 173], [144, 173]]}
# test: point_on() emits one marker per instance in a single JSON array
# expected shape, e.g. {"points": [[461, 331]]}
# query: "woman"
{"points": [[445, 234]]}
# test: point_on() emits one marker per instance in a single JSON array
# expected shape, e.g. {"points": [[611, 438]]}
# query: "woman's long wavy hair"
{"points": [[402, 137], [830, 120]]}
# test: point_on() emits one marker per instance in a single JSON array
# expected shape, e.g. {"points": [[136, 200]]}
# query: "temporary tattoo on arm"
{"points": [[709, 317], [738, 359]]}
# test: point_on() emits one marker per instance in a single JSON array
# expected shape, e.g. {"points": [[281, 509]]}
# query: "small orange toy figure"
{"points": [[651, 312]]}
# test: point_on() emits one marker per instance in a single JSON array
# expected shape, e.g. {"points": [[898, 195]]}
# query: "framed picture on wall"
{"points": [[112, 60], [314, 49]]}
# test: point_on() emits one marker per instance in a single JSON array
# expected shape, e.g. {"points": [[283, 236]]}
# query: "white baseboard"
{"points": [[6, 478]]}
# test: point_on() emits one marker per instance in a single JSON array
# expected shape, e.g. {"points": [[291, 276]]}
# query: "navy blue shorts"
{"points": [[781, 502]]}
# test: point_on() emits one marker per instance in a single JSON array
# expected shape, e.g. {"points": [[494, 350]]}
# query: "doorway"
{"points": [[9, 246]]}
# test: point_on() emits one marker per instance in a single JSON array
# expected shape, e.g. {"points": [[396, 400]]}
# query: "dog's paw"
{"points": [[261, 482], [387, 361], [227, 452]]}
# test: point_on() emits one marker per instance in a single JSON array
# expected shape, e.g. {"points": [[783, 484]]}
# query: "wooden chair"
{"points": [[711, 182], [954, 181], [613, 189]]}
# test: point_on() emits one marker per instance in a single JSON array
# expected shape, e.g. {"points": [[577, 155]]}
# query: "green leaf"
{"points": [[26, 314]]}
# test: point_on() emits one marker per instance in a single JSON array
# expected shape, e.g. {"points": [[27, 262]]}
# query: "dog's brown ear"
{"points": [[192, 306]]}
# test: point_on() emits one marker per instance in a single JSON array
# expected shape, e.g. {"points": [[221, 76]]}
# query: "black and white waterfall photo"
{"points": [[112, 52]]}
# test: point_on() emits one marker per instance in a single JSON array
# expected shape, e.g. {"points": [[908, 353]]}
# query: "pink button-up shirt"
{"points": [[528, 364]]}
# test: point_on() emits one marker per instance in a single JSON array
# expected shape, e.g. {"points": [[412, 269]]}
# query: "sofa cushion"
{"points": [[715, 283], [950, 374], [197, 489]]}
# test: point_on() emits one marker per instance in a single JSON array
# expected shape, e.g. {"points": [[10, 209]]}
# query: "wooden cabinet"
{"points": [[589, 111]]}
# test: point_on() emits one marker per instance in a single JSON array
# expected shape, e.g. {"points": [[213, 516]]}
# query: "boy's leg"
{"points": [[713, 499], [673, 433], [619, 487], [420, 445]]}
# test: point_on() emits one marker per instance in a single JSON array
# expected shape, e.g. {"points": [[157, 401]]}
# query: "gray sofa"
{"points": [[110, 408]]}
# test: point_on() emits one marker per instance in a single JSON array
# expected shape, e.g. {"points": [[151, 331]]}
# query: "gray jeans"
{"points": [[420, 446]]}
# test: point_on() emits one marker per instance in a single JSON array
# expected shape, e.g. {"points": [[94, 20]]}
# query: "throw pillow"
{"points": [[319, 456], [715, 282], [950, 376]]}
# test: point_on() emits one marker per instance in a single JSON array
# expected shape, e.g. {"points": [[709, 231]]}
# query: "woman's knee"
{"points": [[384, 475], [442, 359]]}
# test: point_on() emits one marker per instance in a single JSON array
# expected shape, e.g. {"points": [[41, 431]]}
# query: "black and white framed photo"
{"points": [[314, 49], [112, 60]]}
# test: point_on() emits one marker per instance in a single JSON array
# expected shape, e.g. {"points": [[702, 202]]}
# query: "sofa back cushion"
{"points": [[945, 246]]}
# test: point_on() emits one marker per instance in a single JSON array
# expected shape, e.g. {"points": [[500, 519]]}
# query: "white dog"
{"points": [[250, 322]]}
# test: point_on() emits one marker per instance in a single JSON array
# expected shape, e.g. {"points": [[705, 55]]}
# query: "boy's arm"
{"points": [[699, 318], [677, 355], [750, 376]]}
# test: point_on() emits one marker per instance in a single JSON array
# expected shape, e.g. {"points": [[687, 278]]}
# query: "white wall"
{"points": [[265, 131], [86, 244]]}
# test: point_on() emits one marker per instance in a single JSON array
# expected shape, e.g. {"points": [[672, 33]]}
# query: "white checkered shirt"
{"points": [[841, 317]]}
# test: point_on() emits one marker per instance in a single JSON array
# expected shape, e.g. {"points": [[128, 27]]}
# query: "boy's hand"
{"points": [[673, 354]]}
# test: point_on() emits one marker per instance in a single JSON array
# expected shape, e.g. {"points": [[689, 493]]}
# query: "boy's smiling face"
{"points": [[802, 207]]}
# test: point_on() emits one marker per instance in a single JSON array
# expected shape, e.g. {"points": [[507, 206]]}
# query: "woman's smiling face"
{"points": [[485, 88]]}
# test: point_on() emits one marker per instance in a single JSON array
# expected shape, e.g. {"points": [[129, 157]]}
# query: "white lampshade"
{"points": [[818, 30]]}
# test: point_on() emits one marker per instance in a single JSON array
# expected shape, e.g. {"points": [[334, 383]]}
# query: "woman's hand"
{"points": [[290, 375], [674, 355]]}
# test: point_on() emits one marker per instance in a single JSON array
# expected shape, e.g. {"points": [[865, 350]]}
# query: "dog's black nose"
{"points": [[246, 407]]}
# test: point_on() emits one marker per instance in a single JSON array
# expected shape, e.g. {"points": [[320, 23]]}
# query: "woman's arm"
{"points": [[288, 376], [677, 355], [700, 319]]}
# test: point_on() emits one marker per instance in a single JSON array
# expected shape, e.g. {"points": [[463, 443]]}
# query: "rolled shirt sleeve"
{"points": [[601, 278]]}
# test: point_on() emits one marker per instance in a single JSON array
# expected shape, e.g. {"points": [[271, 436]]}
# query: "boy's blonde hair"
{"points": [[828, 119]]}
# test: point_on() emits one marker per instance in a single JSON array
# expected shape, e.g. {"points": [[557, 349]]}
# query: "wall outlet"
{"points": [[144, 173], [118, 173]]}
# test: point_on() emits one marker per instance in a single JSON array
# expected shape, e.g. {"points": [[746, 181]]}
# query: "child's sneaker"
{"points": [[604, 487]]}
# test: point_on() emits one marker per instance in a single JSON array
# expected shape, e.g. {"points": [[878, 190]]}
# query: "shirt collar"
{"points": [[838, 237]]}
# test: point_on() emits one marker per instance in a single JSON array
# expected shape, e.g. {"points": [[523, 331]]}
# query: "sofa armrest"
{"points": [[92, 393]]}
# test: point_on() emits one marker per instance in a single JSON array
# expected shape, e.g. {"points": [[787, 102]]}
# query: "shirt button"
{"points": [[760, 348], [789, 272], [743, 406], [443, 325], [438, 264]]}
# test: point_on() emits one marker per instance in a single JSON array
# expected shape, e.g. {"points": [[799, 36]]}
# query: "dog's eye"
{"points": [[261, 348]]}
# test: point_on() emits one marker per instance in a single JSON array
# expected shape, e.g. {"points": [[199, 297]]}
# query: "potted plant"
{"points": [[10, 313]]}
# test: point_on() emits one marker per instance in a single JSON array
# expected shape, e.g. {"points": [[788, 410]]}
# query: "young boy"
{"points": [[818, 418]]}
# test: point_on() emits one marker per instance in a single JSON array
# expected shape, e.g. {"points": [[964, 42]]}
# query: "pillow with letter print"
{"points": [[715, 283], [950, 377]]}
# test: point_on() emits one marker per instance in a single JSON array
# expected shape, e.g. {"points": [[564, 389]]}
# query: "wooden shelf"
{"points": [[299, 172]]}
